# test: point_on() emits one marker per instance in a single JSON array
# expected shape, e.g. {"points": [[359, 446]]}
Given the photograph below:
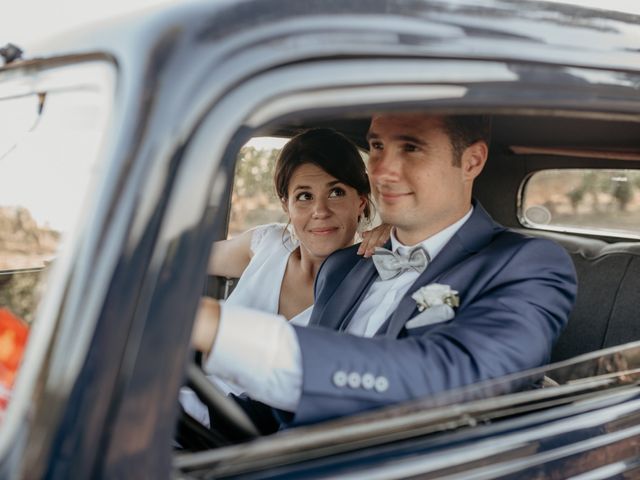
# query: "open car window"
{"points": [[253, 200]]}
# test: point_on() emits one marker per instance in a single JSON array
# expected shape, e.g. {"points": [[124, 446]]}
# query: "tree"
{"points": [[254, 200], [623, 193]]}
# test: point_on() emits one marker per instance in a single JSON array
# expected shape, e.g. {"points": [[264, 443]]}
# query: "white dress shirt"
{"points": [[260, 352]]}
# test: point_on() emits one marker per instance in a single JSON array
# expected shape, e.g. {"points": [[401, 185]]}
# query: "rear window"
{"points": [[254, 201], [603, 202]]}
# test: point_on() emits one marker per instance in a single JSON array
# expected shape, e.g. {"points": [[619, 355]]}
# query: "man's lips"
{"points": [[393, 196]]}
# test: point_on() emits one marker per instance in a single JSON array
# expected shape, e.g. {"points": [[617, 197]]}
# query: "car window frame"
{"points": [[292, 97], [195, 210]]}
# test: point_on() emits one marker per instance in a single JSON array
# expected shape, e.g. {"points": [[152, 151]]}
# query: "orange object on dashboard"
{"points": [[13, 338]]}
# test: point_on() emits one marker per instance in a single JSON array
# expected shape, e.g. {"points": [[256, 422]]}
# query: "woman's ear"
{"points": [[285, 206], [473, 159], [363, 204]]}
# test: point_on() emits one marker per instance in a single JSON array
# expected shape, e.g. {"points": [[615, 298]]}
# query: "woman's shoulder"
{"points": [[264, 236]]}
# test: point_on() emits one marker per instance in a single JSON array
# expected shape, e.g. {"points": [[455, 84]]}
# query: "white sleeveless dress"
{"points": [[258, 288], [260, 284]]}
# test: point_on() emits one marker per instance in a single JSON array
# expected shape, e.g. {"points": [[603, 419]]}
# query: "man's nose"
{"points": [[384, 167]]}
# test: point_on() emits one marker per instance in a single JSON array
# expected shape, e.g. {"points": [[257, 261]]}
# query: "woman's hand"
{"points": [[205, 328], [374, 238]]}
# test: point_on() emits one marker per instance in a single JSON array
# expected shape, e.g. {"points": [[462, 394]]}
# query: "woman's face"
{"points": [[324, 211]]}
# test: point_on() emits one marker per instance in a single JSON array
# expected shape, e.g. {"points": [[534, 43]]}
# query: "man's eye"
{"points": [[303, 196], [337, 192], [410, 147], [375, 145]]}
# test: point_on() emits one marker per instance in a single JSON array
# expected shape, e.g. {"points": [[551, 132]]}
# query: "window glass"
{"points": [[254, 201], [605, 202], [49, 144]]}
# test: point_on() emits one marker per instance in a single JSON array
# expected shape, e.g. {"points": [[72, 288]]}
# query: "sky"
{"points": [[26, 21], [30, 21]]}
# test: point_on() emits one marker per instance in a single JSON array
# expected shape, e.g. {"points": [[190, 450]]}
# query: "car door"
{"points": [[199, 86]]}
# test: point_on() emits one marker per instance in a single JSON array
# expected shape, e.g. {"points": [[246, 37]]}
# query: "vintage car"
{"points": [[119, 147]]}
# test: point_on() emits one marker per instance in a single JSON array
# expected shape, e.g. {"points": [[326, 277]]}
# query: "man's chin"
{"points": [[392, 216]]}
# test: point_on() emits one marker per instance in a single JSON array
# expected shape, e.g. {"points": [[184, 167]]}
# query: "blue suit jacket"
{"points": [[515, 292]]}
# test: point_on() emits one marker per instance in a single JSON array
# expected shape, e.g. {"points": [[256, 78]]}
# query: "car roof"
{"points": [[543, 31]]}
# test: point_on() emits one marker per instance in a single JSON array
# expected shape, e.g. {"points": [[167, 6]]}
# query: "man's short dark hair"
{"points": [[465, 130]]}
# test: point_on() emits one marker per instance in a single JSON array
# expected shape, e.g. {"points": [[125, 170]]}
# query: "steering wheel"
{"points": [[230, 424]]}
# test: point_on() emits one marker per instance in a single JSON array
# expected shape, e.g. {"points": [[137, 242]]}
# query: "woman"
{"points": [[322, 183]]}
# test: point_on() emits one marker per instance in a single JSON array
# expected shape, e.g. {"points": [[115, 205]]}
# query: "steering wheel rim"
{"points": [[227, 413], [229, 423]]}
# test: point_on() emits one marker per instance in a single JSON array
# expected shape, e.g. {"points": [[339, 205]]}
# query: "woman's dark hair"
{"points": [[328, 150]]}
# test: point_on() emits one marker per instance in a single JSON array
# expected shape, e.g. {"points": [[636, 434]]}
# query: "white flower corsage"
{"points": [[435, 294]]}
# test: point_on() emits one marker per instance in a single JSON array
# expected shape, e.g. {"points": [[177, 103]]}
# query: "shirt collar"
{"points": [[435, 243]]}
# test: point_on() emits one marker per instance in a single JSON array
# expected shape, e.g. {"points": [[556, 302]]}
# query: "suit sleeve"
{"points": [[506, 325]]}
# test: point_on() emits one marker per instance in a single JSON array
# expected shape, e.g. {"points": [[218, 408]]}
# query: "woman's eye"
{"points": [[303, 196], [337, 192], [375, 145]]}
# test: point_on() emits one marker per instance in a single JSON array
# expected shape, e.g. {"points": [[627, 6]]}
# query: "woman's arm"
{"points": [[229, 258]]}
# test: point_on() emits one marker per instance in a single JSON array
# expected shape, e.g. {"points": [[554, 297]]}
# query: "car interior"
{"points": [[607, 261]]}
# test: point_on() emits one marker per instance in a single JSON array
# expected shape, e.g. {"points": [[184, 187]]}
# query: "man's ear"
{"points": [[473, 159]]}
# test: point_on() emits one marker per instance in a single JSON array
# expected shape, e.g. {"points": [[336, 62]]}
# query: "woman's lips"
{"points": [[324, 230]]}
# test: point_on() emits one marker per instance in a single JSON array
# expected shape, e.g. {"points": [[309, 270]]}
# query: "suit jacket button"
{"points": [[354, 380], [382, 384], [368, 381], [340, 378]]}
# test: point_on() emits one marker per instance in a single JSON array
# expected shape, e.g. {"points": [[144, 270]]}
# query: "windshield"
{"points": [[51, 127]]}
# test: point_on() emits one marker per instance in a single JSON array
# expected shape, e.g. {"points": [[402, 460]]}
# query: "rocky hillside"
{"points": [[24, 244]]}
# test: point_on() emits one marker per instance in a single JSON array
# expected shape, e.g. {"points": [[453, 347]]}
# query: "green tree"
{"points": [[254, 200], [575, 197], [623, 192]]}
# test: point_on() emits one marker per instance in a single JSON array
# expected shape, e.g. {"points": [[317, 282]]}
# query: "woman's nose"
{"points": [[321, 209]]}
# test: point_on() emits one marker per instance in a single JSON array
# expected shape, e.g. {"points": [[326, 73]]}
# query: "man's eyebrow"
{"points": [[411, 139], [401, 138]]}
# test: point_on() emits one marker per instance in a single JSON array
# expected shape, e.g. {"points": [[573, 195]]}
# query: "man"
{"points": [[494, 301]]}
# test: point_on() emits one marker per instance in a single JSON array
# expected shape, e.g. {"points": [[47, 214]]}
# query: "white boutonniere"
{"points": [[435, 294]]}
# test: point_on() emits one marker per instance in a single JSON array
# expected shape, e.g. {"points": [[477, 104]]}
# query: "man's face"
{"points": [[415, 185]]}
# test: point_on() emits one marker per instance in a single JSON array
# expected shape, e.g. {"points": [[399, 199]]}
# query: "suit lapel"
{"points": [[474, 235], [452, 254], [337, 311]]}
